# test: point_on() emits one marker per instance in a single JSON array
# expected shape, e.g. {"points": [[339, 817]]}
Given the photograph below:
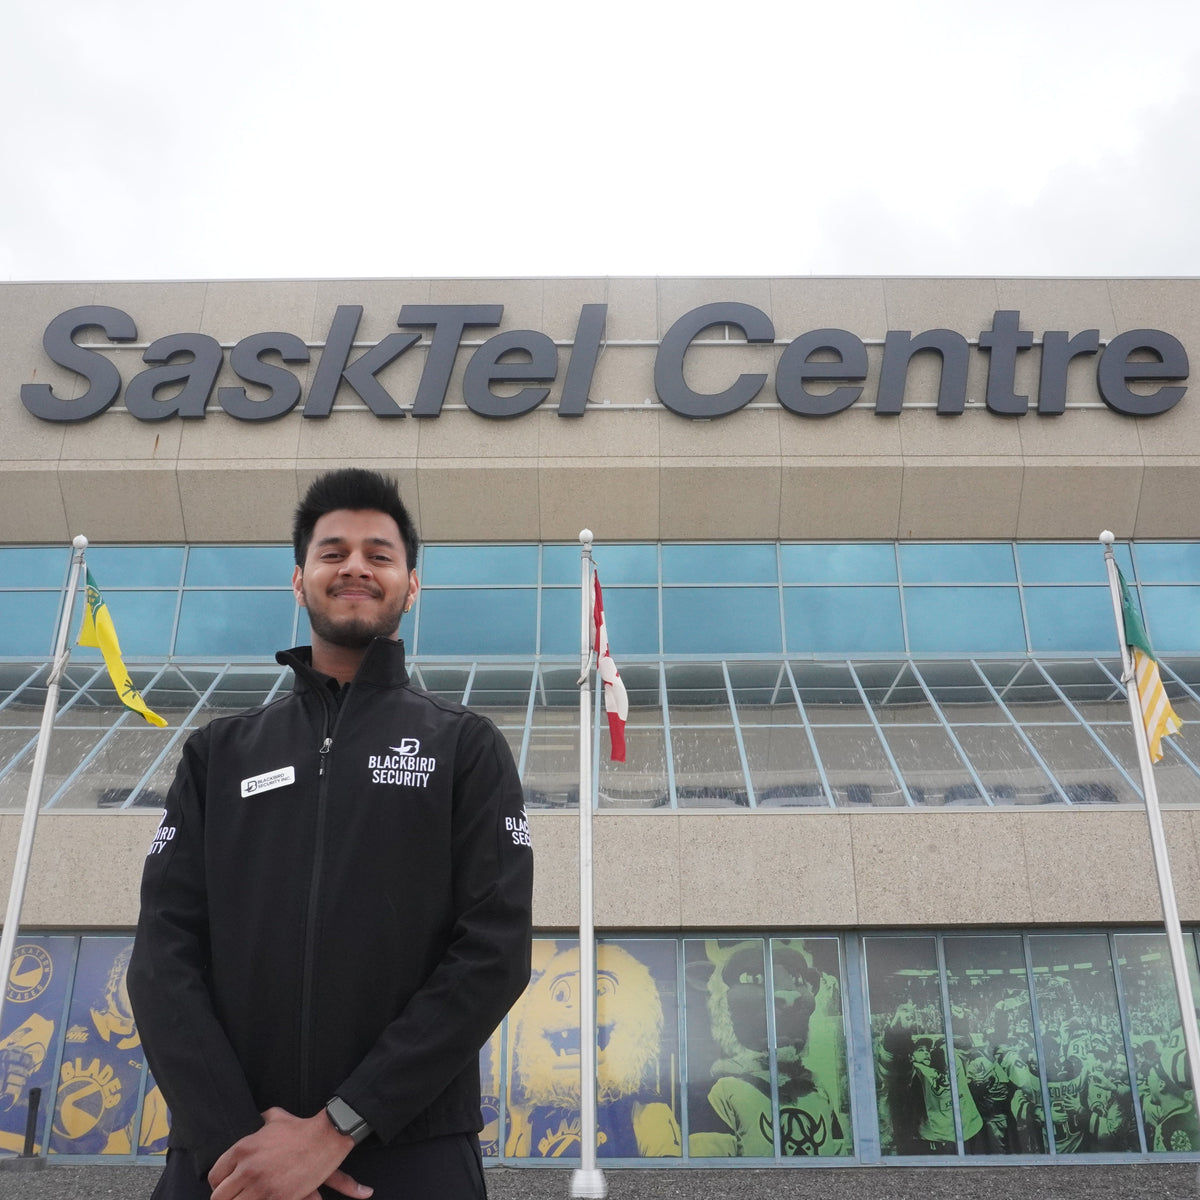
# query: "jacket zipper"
{"points": [[314, 894]]}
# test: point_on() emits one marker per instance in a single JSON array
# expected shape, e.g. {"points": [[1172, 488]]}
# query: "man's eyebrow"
{"points": [[338, 541]]}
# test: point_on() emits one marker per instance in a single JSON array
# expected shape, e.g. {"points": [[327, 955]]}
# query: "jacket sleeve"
{"points": [[485, 967], [169, 979]]}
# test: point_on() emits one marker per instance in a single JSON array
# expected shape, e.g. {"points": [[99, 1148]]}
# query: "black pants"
{"points": [[449, 1168]]}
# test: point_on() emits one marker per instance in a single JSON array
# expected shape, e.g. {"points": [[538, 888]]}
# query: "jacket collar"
{"points": [[382, 666]]}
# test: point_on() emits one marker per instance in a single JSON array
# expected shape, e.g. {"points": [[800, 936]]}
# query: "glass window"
{"points": [[136, 566], [992, 1023], [1171, 618], [38, 987], [630, 616], [1083, 1050], [931, 767], [912, 1086], [843, 620], [1168, 1108], [1076, 618], [214, 623], [240, 566], [1086, 773], [856, 766], [487, 565], [641, 780], [810, 1048], [1168, 562], [720, 621], [957, 562], [615, 563], [482, 621], [1069, 562], [744, 562], [729, 1111], [105, 1066], [1005, 764], [782, 766], [28, 622], [34, 566], [964, 620], [708, 767], [858, 562], [143, 621], [637, 989]]}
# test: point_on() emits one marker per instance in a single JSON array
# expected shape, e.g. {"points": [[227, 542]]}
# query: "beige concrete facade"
{"points": [[781, 871], [634, 471]]}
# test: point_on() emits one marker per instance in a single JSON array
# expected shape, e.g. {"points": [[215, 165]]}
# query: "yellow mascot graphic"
{"points": [[633, 1119]]}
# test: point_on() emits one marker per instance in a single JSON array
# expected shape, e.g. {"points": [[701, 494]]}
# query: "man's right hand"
{"points": [[287, 1159]]}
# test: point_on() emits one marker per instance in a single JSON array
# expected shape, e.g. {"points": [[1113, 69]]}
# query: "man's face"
{"points": [[355, 581]]}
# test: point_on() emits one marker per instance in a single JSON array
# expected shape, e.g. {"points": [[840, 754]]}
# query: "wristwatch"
{"points": [[346, 1121]]}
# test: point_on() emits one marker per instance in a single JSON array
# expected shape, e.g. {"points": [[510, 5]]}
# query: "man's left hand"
{"points": [[287, 1159]]}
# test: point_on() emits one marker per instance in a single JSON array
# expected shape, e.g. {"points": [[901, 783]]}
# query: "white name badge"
{"points": [[272, 779]]}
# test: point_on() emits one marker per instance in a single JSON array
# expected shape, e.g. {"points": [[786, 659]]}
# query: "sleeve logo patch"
{"points": [[269, 781]]}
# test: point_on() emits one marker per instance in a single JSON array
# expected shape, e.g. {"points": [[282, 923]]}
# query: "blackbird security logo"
{"points": [[403, 765]]}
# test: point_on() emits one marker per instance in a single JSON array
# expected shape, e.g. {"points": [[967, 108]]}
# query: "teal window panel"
{"points": [[869, 562], [727, 620], [964, 620], [241, 622], [629, 563], [959, 562], [630, 615], [27, 623], [843, 620], [240, 566], [478, 621], [135, 566], [143, 621], [1168, 562], [719, 563], [1069, 562], [484, 565], [34, 566], [1071, 618], [1173, 618]]}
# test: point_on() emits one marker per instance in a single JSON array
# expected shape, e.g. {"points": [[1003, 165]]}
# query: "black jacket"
{"points": [[336, 902]]}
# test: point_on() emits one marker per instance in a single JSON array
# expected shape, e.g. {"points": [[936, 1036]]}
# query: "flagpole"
{"points": [[1158, 840], [588, 1181], [33, 798]]}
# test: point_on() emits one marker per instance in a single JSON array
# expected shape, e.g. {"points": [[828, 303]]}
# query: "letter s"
{"points": [[102, 375]]}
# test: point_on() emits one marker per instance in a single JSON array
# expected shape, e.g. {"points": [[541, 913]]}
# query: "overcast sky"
{"points": [[346, 138]]}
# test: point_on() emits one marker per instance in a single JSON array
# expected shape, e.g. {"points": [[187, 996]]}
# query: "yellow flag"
{"points": [[97, 630], [1157, 714]]}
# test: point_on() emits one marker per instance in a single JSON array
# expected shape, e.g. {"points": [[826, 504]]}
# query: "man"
{"points": [[336, 906]]}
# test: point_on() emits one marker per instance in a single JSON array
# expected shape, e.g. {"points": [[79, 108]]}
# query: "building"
{"points": [[881, 797]]}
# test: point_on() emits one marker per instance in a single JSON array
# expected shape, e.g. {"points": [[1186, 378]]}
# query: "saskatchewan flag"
{"points": [[1157, 714], [97, 630]]}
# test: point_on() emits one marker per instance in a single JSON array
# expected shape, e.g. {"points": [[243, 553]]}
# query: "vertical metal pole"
{"points": [[588, 1181], [33, 798], [1158, 840]]}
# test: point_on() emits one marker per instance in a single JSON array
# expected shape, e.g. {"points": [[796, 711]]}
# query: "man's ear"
{"points": [[414, 586], [298, 585]]}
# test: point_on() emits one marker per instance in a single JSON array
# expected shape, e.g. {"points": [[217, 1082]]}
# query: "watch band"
{"points": [[346, 1121]]}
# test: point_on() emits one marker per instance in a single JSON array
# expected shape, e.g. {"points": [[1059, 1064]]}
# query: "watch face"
{"points": [[345, 1119]]}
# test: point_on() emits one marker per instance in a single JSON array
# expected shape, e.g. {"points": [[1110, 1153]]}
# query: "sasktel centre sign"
{"points": [[819, 373]]}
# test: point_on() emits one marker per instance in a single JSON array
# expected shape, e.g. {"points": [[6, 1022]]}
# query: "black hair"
{"points": [[357, 490]]}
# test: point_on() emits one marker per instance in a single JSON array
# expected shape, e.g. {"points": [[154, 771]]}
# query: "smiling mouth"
{"points": [[565, 1042]]}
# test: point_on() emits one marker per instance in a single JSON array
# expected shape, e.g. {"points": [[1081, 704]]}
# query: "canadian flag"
{"points": [[616, 701]]}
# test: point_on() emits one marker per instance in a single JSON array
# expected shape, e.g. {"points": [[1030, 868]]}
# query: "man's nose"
{"points": [[356, 563]]}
